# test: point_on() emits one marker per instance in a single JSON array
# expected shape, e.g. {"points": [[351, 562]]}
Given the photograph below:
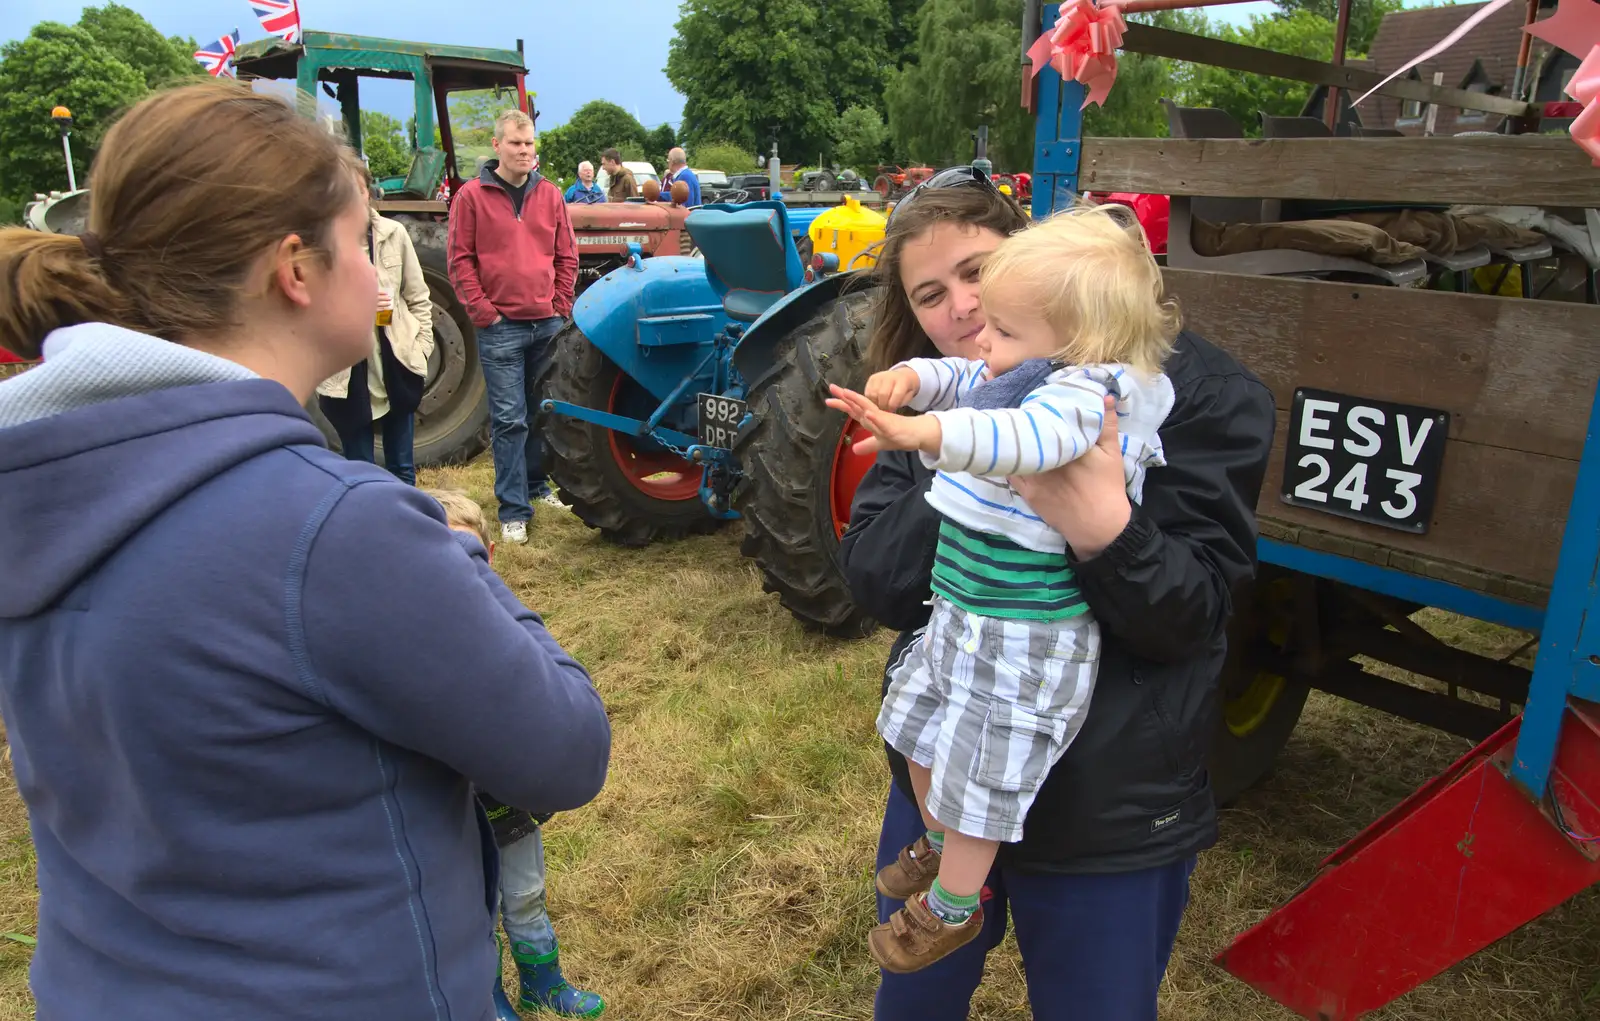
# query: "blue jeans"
{"points": [[399, 437], [522, 906], [514, 355], [1094, 947]]}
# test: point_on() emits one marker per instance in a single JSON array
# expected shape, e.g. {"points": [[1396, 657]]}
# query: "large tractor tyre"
{"points": [[634, 491], [1260, 706], [453, 419], [884, 186], [800, 474]]}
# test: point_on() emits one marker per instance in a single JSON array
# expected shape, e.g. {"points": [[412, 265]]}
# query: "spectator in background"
{"points": [[384, 392], [514, 261], [620, 186], [584, 191], [678, 170]]}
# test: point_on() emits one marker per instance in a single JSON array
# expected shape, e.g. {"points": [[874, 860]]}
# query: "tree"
{"points": [[1365, 16], [861, 139], [723, 156], [56, 65], [752, 70], [387, 153], [126, 35], [1133, 108], [658, 140], [966, 75], [1301, 34], [596, 126]]}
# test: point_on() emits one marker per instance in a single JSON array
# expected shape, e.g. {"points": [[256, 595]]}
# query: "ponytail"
{"points": [[50, 281]]}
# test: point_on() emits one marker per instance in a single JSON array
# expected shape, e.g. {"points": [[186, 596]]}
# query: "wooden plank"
{"points": [[1498, 511], [1514, 374], [1163, 42], [1515, 169]]}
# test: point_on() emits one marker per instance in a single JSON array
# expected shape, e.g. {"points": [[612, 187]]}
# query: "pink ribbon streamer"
{"points": [[1082, 47], [1585, 88], [1439, 47]]}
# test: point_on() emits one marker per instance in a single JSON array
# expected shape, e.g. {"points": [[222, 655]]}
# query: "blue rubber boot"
{"points": [[544, 988], [503, 1010]]}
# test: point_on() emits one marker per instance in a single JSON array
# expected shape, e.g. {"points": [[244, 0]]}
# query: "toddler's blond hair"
{"points": [[1089, 274], [462, 511]]}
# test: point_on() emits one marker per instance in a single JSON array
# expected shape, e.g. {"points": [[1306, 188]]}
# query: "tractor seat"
{"points": [[749, 258]]}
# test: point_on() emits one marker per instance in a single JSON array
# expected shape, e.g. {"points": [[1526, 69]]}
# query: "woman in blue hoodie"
{"points": [[248, 684]]}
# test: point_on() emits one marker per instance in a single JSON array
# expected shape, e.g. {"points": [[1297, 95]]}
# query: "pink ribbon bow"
{"points": [[1585, 88], [1082, 47]]}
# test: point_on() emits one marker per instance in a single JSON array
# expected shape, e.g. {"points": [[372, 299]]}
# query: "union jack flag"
{"points": [[217, 57], [279, 17]]}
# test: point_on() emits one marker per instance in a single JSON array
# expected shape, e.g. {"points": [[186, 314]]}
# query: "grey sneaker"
{"points": [[515, 532], [553, 500]]}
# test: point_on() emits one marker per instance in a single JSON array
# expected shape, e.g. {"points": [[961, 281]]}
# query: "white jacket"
{"points": [[411, 327]]}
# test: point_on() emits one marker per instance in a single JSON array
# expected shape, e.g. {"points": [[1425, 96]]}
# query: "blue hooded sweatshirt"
{"points": [[246, 684]]}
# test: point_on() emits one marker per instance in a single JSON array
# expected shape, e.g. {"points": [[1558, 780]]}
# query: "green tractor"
{"points": [[453, 420]]}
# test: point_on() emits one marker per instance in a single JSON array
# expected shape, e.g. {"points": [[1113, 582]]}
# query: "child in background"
{"points": [[521, 843], [987, 703]]}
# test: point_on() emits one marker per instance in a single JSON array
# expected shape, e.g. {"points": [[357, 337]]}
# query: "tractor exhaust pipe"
{"points": [[1032, 26]]}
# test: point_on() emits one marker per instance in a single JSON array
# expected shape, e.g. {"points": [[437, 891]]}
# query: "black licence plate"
{"points": [[719, 419], [1373, 461]]}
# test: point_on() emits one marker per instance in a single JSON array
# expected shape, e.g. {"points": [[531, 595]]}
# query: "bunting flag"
{"points": [[217, 57], [279, 18]]}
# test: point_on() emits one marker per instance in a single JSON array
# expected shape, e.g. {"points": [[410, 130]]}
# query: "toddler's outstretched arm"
{"points": [[1056, 424], [942, 381]]}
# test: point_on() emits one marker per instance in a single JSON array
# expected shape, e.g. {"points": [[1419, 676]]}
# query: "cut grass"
{"points": [[725, 872]]}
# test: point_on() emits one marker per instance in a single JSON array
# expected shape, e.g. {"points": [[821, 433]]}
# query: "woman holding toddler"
{"points": [[1153, 534]]}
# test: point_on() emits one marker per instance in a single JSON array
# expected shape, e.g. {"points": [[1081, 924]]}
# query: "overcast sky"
{"points": [[577, 50]]}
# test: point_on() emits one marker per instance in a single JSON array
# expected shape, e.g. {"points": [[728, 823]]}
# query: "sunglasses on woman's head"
{"points": [[950, 177]]}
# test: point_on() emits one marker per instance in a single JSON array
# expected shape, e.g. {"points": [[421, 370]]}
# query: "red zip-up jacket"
{"points": [[502, 264]]}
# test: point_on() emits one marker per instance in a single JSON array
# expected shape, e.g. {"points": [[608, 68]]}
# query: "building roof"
{"points": [[1493, 44]]}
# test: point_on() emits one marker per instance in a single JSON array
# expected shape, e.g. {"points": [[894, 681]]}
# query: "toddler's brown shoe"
{"points": [[915, 937], [912, 873]]}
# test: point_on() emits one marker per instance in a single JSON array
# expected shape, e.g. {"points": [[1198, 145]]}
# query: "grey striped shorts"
{"points": [[989, 705]]}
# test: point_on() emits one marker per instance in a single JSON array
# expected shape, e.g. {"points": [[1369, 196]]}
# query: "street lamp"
{"points": [[63, 118]]}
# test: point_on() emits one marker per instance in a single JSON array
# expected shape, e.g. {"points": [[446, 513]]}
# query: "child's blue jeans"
{"points": [[522, 906]]}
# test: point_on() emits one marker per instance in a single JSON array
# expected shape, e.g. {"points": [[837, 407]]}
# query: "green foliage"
{"points": [[131, 39], [966, 74], [861, 139], [10, 212], [1365, 15], [386, 149], [723, 156], [658, 140], [1133, 109], [755, 70], [472, 115], [595, 127], [1301, 34], [56, 64]]}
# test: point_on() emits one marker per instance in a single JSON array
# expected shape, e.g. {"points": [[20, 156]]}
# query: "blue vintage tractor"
{"points": [[689, 391]]}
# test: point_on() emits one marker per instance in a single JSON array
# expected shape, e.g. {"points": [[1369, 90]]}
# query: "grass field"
{"points": [[725, 871]]}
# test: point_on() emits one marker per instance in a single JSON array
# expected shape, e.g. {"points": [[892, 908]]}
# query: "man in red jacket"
{"points": [[513, 261]]}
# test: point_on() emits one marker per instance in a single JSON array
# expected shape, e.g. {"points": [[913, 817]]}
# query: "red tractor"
{"points": [[1020, 185], [893, 182]]}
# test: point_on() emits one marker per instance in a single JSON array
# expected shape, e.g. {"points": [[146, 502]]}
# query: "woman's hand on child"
{"points": [[889, 431], [894, 389], [1086, 500]]}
